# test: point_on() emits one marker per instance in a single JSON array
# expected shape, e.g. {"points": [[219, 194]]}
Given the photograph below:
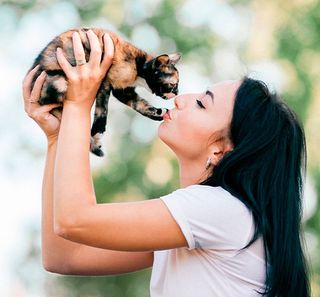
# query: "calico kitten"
{"points": [[130, 67]]}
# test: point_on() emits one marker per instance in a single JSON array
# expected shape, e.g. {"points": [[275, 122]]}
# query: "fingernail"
{"points": [[43, 73], [35, 68], [58, 49]]}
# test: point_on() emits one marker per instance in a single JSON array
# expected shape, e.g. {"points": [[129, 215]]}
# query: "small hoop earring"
{"points": [[208, 163]]}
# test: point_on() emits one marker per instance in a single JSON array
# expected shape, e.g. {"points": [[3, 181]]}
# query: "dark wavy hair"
{"points": [[266, 171]]}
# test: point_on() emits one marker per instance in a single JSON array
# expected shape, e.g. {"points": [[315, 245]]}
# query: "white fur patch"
{"points": [[142, 83], [61, 84], [98, 111], [98, 137], [171, 80], [96, 141]]}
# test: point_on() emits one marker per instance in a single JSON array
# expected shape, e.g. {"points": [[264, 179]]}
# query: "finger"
{"points": [[37, 111], [27, 83], [35, 93], [108, 52], [77, 47], [49, 107], [95, 53], [63, 62]]}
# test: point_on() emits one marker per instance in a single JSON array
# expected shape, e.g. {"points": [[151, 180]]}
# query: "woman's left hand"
{"points": [[84, 80]]}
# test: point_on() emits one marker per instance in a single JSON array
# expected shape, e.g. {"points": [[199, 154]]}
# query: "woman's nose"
{"points": [[178, 101]]}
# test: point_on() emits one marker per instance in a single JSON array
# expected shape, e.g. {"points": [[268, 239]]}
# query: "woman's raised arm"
{"points": [[58, 254]]}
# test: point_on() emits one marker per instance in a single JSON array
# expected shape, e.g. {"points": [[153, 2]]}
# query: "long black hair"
{"points": [[266, 171]]}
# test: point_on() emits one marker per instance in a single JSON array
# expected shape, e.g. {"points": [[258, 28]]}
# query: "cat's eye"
{"points": [[200, 104]]}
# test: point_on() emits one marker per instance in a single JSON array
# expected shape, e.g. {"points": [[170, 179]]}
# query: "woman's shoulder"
{"points": [[216, 208], [215, 196], [211, 191]]}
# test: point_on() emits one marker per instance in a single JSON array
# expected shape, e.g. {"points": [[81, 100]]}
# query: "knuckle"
{"points": [[84, 76], [74, 79], [94, 75]]}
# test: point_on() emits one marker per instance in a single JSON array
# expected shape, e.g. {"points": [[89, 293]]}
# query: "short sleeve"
{"points": [[210, 217]]}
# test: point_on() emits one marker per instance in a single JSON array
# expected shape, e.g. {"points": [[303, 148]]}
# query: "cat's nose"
{"points": [[175, 90]]}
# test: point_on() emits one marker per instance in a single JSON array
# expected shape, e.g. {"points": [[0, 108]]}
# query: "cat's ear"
{"points": [[174, 58], [161, 60]]}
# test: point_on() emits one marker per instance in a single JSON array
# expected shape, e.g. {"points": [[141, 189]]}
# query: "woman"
{"points": [[237, 213]]}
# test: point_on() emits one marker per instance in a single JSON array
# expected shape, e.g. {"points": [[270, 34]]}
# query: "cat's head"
{"points": [[162, 76]]}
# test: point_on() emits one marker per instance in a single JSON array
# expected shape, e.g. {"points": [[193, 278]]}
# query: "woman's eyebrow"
{"points": [[208, 92]]}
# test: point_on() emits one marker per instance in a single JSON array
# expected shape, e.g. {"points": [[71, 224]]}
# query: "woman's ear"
{"points": [[216, 157], [218, 150]]}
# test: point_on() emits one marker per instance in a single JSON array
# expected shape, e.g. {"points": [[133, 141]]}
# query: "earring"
{"points": [[208, 163]]}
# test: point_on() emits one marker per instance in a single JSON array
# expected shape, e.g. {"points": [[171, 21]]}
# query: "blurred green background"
{"points": [[276, 41]]}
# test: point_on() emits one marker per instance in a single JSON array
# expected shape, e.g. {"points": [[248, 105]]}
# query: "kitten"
{"points": [[130, 67]]}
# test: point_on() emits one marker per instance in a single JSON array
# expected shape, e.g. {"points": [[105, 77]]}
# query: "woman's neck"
{"points": [[192, 173]]}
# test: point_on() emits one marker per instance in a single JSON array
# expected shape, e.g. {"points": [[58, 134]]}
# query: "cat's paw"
{"points": [[156, 113], [95, 145]]}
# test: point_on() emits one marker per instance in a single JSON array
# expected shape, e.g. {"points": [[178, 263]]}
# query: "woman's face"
{"points": [[191, 126]]}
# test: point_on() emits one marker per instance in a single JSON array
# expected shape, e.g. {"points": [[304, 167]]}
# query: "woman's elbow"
{"points": [[64, 228], [53, 266], [60, 229]]}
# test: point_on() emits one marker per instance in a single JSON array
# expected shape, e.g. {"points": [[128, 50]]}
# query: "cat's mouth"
{"points": [[168, 95]]}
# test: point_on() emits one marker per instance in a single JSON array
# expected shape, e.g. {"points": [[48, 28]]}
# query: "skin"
{"points": [[80, 236], [204, 130]]}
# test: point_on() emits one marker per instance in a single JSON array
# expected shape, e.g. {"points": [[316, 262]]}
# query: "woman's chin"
{"points": [[163, 133]]}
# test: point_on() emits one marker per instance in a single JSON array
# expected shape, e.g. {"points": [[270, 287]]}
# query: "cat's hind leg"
{"points": [[100, 119], [54, 88], [129, 97]]}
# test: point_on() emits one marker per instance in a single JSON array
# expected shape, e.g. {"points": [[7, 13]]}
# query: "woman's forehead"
{"points": [[225, 90], [226, 84]]}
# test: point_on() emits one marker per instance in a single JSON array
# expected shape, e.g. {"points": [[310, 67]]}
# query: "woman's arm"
{"points": [[60, 255], [66, 257], [134, 226], [56, 250]]}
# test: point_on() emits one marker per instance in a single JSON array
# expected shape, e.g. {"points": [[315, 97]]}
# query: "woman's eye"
{"points": [[200, 104]]}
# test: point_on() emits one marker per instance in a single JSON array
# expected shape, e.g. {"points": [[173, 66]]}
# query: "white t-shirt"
{"points": [[216, 225]]}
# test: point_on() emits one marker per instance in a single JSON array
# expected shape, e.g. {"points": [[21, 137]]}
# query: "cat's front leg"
{"points": [[100, 119], [129, 97]]}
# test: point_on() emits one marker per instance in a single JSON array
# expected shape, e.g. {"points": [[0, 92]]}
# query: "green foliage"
{"points": [[126, 168], [125, 285]]}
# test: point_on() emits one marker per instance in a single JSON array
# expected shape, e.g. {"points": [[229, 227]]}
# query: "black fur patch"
{"points": [[124, 95], [99, 126], [56, 72]]}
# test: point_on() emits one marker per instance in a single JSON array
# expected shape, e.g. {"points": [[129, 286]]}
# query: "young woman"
{"points": [[234, 226]]}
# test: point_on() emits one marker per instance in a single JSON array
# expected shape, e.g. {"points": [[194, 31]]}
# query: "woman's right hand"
{"points": [[40, 114]]}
